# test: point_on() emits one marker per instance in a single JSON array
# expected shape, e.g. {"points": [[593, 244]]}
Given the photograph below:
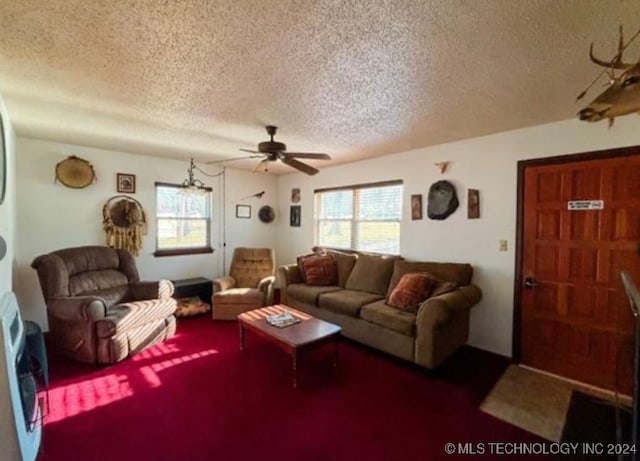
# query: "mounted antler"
{"points": [[622, 96], [616, 62], [442, 166]]}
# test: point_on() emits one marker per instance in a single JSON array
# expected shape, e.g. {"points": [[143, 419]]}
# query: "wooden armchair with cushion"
{"points": [[98, 310], [248, 286]]}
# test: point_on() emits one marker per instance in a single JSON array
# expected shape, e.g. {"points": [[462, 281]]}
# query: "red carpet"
{"points": [[197, 397]]}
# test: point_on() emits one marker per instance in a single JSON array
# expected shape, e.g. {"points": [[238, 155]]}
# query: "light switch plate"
{"points": [[503, 245]]}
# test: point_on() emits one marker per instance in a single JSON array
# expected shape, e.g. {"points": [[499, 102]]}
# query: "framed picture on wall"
{"points": [[416, 206], [126, 183], [243, 211], [473, 204], [295, 216]]}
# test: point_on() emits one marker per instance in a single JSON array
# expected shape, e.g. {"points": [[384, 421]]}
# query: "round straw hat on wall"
{"points": [[75, 172]]}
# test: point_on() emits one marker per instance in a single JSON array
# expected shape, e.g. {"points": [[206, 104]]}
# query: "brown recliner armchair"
{"points": [[249, 284], [98, 310]]}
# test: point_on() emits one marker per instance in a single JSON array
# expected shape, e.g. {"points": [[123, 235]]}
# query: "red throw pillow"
{"points": [[300, 261], [411, 290], [320, 270]]}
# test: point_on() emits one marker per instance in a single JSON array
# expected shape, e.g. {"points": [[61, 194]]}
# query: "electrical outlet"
{"points": [[503, 245]]}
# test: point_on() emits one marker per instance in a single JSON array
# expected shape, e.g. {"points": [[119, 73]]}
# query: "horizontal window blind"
{"points": [[364, 217], [182, 218]]}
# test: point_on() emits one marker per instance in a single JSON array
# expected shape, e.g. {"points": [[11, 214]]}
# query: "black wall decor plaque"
{"points": [[442, 200]]}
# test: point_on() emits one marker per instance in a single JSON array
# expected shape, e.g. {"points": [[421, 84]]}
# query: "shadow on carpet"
{"points": [[591, 420], [533, 401]]}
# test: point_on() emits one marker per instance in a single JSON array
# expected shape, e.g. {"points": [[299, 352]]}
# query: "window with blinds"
{"points": [[183, 220], [364, 217]]}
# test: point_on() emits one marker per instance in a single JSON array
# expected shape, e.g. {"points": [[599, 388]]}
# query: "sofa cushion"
{"points": [[307, 293], [112, 296], [250, 265], [371, 274], [347, 302], [381, 314], [344, 265], [411, 290], [91, 281], [448, 272], [88, 259], [239, 296], [320, 270]]}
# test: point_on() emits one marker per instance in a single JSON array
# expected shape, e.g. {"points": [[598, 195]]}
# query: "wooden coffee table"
{"points": [[294, 339]]}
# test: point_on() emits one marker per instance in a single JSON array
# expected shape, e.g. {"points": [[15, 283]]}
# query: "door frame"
{"points": [[522, 166]]}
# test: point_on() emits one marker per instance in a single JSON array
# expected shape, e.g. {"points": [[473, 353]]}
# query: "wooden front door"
{"points": [[575, 319]]}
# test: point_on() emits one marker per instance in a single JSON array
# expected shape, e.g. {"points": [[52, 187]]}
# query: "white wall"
{"points": [[240, 184], [52, 216], [489, 164], [8, 208]]}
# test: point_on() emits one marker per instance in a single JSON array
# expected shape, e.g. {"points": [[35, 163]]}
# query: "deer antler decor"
{"points": [[622, 96], [442, 166]]}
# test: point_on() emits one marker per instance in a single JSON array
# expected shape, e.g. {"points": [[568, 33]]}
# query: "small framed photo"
{"points": [[416, 207], [295, 195], [126, 183], [243, 211], [295, 216], [473, 204]]}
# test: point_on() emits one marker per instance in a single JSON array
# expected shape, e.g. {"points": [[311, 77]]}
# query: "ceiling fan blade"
{"points": [[232, 159], [250, 151], [308, 169], [309, 155], [259, 165]]}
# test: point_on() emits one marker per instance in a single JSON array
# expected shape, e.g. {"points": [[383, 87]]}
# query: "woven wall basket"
{"points": [[75, 172]]}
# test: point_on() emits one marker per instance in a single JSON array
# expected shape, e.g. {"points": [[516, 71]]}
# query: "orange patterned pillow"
{"points": [[320, 270], [411, 290]]}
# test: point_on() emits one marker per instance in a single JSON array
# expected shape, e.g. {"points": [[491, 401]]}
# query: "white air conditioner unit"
{"points": [[20, 412]]}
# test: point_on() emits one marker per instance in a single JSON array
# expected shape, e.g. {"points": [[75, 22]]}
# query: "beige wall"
{"points": [[489, 164], [51, 216]]}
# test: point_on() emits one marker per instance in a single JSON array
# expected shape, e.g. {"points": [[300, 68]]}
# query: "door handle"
{"points": [[530, 282]]}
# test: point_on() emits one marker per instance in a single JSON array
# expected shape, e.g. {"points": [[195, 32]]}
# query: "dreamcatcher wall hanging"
{"points": [[125, 223]]}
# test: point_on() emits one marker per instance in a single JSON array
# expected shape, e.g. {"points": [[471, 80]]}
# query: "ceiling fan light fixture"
{"points": [[269, 147], [271, 151]]}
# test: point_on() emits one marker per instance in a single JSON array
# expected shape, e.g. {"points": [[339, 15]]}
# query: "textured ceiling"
{"points": [[354, 79]]}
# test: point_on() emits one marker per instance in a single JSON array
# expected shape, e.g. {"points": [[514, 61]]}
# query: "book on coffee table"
{"points": [[282, 320]]}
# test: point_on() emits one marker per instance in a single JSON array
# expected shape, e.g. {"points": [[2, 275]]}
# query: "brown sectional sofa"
{"points": [[358, 304]]}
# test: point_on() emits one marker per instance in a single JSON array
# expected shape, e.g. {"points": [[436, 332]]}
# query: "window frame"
{"points": [[355, 188], [182, 251]]}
